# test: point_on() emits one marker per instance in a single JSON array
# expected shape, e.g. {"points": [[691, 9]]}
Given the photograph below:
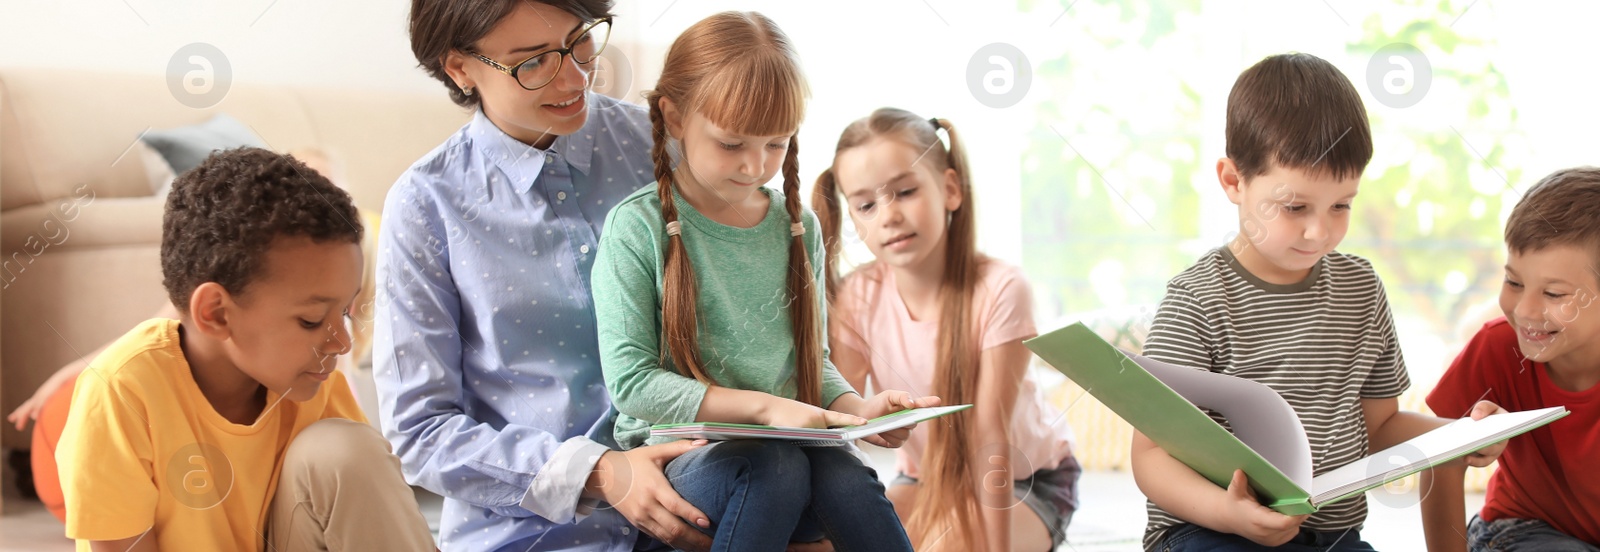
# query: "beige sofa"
{"points": [[79, 229]]}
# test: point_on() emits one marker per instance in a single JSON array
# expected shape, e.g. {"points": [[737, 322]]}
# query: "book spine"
{"points": [[1294, 507]]}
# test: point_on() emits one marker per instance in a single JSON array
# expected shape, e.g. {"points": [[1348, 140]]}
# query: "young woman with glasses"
{"points": [[486, 358]]}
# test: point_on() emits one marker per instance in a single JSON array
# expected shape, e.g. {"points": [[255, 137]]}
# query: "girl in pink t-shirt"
{"points": [[934, 316]]}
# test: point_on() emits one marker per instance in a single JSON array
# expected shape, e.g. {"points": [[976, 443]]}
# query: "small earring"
{"points": [[466, 90]]}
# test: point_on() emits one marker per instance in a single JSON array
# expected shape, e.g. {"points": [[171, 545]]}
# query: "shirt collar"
{"points": [[518, 161], [522, 162]]}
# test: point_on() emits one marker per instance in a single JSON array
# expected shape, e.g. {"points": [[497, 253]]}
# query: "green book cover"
{"points": [[1268, 441]]}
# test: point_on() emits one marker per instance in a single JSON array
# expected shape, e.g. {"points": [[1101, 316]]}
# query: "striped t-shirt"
{"points": [[1323, 343]]}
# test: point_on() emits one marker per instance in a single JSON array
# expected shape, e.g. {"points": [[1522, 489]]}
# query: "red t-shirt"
{"points": [[1549, 473]]}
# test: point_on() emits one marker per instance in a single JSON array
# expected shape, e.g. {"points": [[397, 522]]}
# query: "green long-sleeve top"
{"points": [[746, 340]]}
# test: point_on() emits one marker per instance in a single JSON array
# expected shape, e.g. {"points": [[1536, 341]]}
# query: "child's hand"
{"points": [[1253, 521], [1486, 455], [889, 402], [789, 413], [29, 410]]}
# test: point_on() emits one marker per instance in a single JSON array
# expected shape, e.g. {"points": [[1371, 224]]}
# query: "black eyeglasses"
{"points": [[539, 70]]}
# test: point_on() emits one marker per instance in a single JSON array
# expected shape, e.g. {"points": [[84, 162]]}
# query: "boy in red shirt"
{"points": [[1545, 352]]}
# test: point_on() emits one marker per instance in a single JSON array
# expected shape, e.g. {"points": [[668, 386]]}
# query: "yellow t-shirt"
{"points": [[143, 448]]}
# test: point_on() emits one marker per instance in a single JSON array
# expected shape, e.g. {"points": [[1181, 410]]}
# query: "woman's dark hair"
{"points": [[439, 26]]}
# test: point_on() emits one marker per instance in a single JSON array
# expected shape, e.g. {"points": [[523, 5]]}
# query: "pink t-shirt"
{"points": [[869, 318]]}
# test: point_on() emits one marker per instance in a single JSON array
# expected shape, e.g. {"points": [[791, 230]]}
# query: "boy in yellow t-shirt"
{"points": [[230, 429]]}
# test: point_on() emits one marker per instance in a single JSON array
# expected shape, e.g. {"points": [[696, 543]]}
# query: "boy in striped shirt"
{"points": [[1280, 306]]}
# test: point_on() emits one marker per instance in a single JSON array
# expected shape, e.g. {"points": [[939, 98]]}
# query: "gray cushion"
{"points": [[185, 147]]}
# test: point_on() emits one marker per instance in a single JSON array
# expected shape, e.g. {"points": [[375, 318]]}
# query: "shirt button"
{"points": [[584, 249], [561, 196]]}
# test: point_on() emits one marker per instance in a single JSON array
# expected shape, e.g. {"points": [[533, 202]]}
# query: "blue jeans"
{"points": [[1517, 535], [1190, 537], [761, 495]]}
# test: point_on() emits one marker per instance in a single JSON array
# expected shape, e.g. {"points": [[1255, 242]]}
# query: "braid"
{"points": [[791, 187], [806, 314], [658, 151], [663, 161], [679, 298]]}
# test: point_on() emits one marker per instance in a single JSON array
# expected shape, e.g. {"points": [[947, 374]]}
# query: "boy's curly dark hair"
{"points": [[222, 215]]}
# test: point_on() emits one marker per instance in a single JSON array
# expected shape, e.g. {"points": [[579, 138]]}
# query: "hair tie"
{"points": [[674, 228], [797, 229], [935, 122]]}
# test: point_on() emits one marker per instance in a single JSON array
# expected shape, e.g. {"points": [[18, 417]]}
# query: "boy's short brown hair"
{"points": [[1297, 111], [222, 215], [1562, 209]]}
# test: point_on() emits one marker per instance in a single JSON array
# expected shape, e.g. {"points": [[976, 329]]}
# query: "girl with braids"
{"points": [[910, 199], [710, 303]]}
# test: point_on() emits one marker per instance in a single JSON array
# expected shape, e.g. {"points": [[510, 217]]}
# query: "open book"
{"points": [[722, 432], [1268, 442]]}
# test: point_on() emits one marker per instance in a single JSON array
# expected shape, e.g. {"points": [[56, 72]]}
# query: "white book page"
{"points": [[896, 422], [1258, 415], [1456, 439]]}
